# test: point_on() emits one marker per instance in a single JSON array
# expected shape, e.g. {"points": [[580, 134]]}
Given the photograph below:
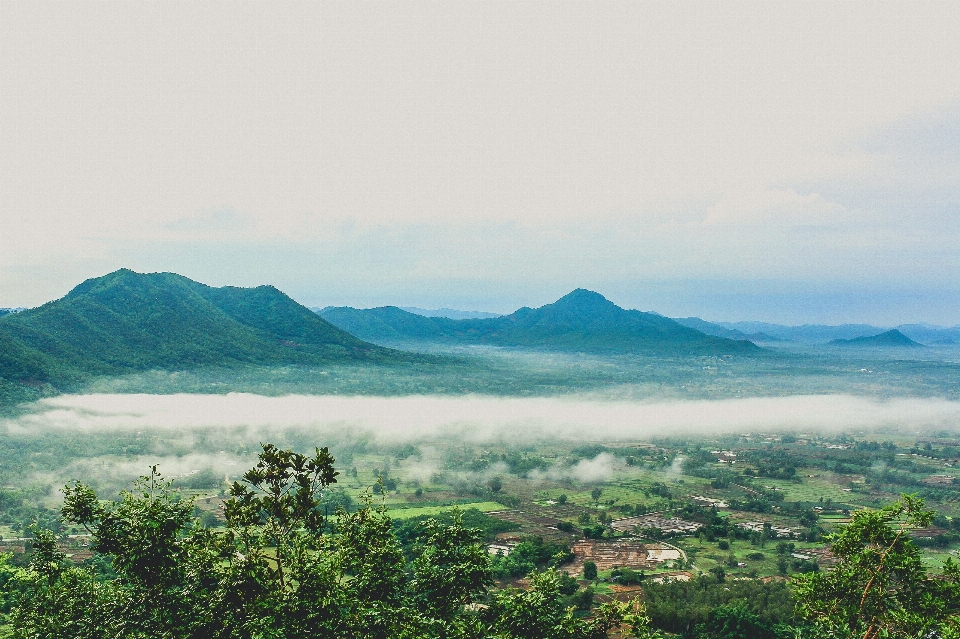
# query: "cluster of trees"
{"points": [[528, 555], [282, 568], [705, 607], [273, 571]]}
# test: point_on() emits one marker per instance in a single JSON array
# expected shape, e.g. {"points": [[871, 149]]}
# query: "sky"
{"points": [[792, 162]]}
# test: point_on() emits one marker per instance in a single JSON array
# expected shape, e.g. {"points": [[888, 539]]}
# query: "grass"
{"points": [[406, 513], [708, 555], [811, 489]]}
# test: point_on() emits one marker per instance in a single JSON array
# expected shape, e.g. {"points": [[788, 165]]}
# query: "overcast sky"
{"points": [[793, 162]]}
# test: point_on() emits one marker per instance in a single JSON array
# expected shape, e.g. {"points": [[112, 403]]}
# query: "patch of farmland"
{"points": [[406, 513], [825, 485], [540, 522]]}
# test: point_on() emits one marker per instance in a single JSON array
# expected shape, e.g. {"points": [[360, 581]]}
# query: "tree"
{"points": [[595, 493], [277, 575], [782, 566], [539, 612], [451, 570], [274, 571], [880, 587], [153, 538], [280, 500], [373, 578], [589, 570], [735, 621], [57, 599]]}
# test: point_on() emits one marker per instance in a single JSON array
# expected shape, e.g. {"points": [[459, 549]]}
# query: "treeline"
{"points": [[696, 608], [282, 568], [273, 571]]}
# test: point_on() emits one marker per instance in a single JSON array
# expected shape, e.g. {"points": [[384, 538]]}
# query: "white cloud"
{"points": [[597, 469], [486, 419], [782, 208]]}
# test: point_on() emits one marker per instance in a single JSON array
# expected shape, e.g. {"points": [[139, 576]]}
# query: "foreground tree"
{"points": [[273, 573], [880, 587]]}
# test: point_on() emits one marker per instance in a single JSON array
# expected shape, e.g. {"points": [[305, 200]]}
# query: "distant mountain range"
{"points": [[765, 332], [579, 321], [720, 331], [889, 338], [125, 322], [449, 313]]}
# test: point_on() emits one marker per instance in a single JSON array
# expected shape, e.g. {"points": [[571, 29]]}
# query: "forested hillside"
{"points": [[579, 321], [125, 322]]}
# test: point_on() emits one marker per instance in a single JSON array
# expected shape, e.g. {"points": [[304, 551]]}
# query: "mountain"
{"points": [[579, 321], [806, 332], [923, 333], [890, 338], [449, 313], [930, 334], [126, 321], [720, 331]]}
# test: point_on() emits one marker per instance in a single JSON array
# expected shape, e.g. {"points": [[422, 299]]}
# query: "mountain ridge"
{"points": [[581, 320], [889, 338], [125, 322], [919, 332]]}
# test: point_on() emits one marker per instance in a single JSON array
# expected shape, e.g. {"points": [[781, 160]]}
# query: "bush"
{"points": [[198, 481], [626, 576], [589, 570], [582, 600]]}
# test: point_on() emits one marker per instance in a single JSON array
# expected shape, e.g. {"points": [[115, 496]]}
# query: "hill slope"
{"points": [[580, 321], [890, 338], [717, 330], [127, 321]]}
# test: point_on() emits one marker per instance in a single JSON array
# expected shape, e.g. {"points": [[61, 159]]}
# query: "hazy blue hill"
{"points": [[811, 332], [930, 334], [720, 331], [449, 313], [923, 333], [127, 321], [584, 320], [889, 338], [580, 321], [389, 323]]}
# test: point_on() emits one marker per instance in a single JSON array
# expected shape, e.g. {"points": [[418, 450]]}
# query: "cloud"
{"points": [[781, 208], [481, 419], [218, 224], [587, 471]]}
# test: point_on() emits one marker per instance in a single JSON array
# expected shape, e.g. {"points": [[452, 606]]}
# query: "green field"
{"points": [[407, 513]]}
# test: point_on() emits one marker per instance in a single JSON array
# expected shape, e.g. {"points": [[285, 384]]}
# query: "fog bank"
{"points": [[482, 418]]}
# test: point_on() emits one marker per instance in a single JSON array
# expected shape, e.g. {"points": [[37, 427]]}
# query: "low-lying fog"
{"points": [[109, 439], [483, 418]]}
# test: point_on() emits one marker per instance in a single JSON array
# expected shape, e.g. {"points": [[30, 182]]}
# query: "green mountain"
{"points": [[579, 321], [890, 338], [126, 322]]}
